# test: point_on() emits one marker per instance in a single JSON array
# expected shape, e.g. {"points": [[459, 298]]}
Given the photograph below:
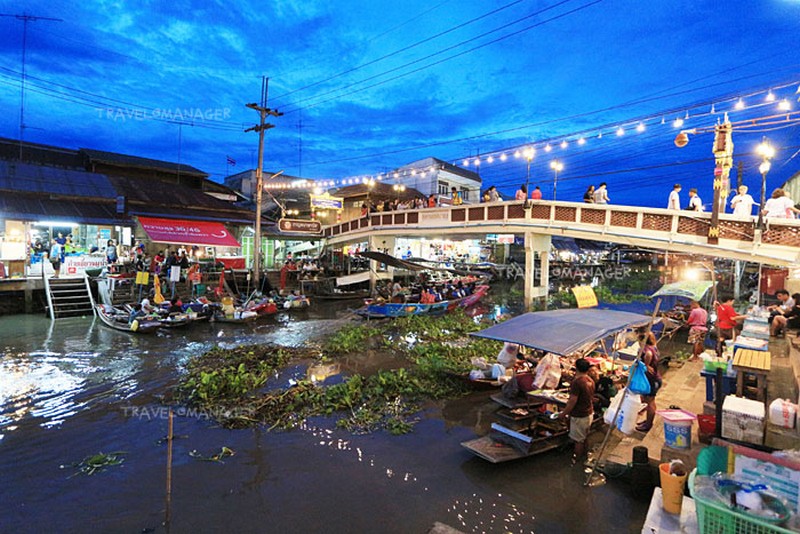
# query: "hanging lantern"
{"points": [[681, 140]]}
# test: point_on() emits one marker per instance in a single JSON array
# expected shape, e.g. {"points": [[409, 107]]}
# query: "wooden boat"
{"points": [[118, 320], [393, 309], [262, 308], [343, 295], [539, 433], [238, 317], [525, 428]]}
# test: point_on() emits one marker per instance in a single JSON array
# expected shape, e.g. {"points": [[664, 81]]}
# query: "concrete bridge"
{"points": [[669, 230]]}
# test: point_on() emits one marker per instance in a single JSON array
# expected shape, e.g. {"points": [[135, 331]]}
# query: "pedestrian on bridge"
{"points": [[588, 196], [742, 203], [695, 203], [674, 202], [536, 194], [601, 194], [522, 193]]}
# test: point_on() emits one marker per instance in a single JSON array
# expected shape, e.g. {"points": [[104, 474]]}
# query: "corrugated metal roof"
{"points": [[100, 156], [33, 208], [29, 178]]}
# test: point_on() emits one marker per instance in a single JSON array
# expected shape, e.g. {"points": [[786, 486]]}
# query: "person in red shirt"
{"points": [[536, 194], [580, 408], [727, 320]]}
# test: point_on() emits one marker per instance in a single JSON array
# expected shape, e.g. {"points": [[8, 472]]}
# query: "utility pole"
{"points": [[261, 127], [25, 20]]}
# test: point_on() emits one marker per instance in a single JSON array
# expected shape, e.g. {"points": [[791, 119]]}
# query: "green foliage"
{"points": [[98, 462], [351, 338], [228, 379]]}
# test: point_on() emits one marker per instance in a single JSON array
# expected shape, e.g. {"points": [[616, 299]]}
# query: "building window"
{"points": [[464, 193], [444, 188]]}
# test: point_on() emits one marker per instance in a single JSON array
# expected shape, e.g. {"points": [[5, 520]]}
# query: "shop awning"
{"points": [[181, 231], [562, 331]]}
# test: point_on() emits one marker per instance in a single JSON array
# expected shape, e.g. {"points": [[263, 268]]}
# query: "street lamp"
{"points": [[370, 184], [767, 152], [529, 152], [398, 188], [557, 167]]}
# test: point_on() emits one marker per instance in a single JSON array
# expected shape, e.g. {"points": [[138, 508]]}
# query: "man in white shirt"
{"points": [[695, 204], [742, 203], [674, 202], [601, 195]]}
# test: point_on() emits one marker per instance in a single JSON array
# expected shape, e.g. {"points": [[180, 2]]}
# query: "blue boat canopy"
{"points": [[563, 331]]}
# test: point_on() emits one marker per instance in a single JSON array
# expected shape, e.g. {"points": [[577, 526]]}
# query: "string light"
{"points": [[713, 111], [770, 96], [677, 123], [466, 163], [640, 127], [477, 161], [564, 144], [517, 153], [503, 156], [784, 105], [547, 147], [581, 141], [490, 159], [600, 135], [620, 131], [739, 104]]}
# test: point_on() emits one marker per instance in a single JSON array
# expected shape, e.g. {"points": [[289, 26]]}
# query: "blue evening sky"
{"points": [[367, 86]]}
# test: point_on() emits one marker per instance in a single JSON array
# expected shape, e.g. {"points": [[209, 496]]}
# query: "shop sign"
{"points": [[585, 296], [326, 202], [77, 265], [505, 239], [435, 218], [299, 226]]}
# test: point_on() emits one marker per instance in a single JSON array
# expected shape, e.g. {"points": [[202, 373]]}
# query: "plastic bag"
{"points": [[639, 383], [548, 373]]}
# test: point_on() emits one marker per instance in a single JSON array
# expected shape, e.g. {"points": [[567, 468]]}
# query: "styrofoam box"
{"points": [[743, 419]]}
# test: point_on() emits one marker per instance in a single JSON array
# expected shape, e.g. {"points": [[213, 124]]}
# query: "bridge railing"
{"points": [[785, 232]]}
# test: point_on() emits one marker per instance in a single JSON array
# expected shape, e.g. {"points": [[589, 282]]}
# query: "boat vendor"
{"points": [[136, 313], [579, 408], [727, 319], [397, 292]]}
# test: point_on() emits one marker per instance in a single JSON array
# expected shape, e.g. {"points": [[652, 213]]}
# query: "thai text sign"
{"points": [[326, 202], [295, 226]]}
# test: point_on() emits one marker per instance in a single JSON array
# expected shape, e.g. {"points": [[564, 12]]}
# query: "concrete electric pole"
{"points": [[261, 127]]}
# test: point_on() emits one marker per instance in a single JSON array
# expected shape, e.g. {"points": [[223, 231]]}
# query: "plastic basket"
{"points": [[715, 518]]}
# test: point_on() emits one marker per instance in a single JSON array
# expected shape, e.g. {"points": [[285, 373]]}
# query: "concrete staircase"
{"points": [[68, 297]]}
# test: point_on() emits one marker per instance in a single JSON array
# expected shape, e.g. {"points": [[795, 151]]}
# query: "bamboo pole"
{"points": [[168, 510], [638, 361]]}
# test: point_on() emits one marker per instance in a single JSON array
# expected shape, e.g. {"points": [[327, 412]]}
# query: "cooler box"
{"points": [[743, 420], [782, 413]]}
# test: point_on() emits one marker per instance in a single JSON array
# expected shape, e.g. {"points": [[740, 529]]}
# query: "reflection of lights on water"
{"points": [[475, 515]]}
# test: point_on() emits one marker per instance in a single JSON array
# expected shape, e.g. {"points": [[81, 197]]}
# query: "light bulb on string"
{"points": [[490, 159], [503, 156], [687, 115], [564, 144], [713, 111], [770, 96], [477, 161], [663, 120], [677, 123], [620, 131], [600, 135], [547, 147], [739, 104], [517, 154], [465, 163], [640, 127], [396, 175], [581, 141], [784, 105]]}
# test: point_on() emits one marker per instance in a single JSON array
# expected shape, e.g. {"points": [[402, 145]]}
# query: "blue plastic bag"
{"points": [[639, 383]]}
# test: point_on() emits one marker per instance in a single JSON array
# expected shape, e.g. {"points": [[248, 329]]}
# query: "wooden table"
{"points": [[752, 362]]}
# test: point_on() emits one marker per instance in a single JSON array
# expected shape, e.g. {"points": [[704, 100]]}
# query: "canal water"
{"points": [[74, 388]]}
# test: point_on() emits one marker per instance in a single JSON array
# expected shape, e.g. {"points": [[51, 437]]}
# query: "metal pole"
{"points": [[760, 224], [555, 184]]}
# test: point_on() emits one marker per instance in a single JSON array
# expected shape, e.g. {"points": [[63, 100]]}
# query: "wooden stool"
{"points": [[752, 362]]}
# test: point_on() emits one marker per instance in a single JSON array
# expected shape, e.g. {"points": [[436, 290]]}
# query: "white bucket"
{"points": [[629, 413]]}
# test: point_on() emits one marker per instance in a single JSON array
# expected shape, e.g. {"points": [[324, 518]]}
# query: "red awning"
{"points": [[180, 231]]}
